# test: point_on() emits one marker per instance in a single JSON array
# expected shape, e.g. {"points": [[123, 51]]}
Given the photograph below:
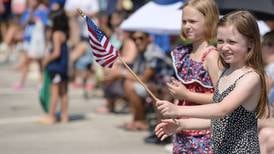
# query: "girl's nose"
{"points": [[225, 47], [187, 25]]}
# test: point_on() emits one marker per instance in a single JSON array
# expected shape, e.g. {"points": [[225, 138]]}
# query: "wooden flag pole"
{"points": [[138, 79], [81, 12], [129, 69]]}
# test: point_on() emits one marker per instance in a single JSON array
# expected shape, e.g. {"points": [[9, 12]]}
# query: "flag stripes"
{"points": [[103, 51]]}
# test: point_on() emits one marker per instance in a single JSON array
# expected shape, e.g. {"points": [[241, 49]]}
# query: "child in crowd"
{"points": [[266, 127], [34, 19], [268, 57], [240, 97], [57, 65], [196, 69]]}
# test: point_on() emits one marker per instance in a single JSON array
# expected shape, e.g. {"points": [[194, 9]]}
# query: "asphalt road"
{"points": [[86, 133]]}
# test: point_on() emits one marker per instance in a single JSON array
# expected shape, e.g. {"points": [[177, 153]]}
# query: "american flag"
{"points": [[103, 51]]}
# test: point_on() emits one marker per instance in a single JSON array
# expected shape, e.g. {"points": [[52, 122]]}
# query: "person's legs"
{"points": [[108, 107], [113, 90], [53, 100], [87, 84], [3, 29], [20, 63], [50, 118], [135, 101], [24, 72], [10, 33], [64, 101], [7, 39], [40, 65], [138, 108]]}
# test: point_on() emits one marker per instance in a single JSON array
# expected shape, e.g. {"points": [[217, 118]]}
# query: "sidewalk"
{"points": [[87, 133]]}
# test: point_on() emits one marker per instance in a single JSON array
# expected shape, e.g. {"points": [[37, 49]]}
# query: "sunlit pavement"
{"points": [[86, 133]]}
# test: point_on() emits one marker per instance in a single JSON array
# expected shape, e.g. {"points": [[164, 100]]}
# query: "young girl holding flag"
{"points": [[240, 95]]}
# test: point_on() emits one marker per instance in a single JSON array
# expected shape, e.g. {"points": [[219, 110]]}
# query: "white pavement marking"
{"points": [[19, 120], [30, 119], [22, 91]]}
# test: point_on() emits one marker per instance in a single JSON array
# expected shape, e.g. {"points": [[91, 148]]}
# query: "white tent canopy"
{"points": [[155, 18], [162, 19]]}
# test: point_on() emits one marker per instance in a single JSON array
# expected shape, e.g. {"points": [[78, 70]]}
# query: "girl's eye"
{"points": [[188, 21], [231, 42], [192, 21], [220, 41]]}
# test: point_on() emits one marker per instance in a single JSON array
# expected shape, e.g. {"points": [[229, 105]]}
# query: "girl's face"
{"points": [[33, 4], [267, 52], [193, 24], [232, 45], [115, 20]]}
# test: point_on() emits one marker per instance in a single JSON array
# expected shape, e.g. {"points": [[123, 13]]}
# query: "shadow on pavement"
{"points": [[72, 117]]}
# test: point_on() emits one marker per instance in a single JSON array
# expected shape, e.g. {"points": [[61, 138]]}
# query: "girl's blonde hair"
{"points": [[210, 11], [246, 25]]}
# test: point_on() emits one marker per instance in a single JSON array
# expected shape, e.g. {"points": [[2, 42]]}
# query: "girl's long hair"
{"points": [[60, 21], [247, 26]]}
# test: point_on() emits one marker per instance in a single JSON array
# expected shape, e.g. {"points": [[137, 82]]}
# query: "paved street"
{"points": [[87, 133]]}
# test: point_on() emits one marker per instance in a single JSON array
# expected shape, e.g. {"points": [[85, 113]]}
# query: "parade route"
{"points": [[86, 133]]}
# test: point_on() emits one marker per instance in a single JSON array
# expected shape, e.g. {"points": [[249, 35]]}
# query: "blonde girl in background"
{"points": [[196, 70]]}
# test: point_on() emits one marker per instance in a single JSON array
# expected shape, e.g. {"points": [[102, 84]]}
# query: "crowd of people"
{"points": [[214, 89]]}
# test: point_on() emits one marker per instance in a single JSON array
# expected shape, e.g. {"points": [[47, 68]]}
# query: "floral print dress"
{"points": [[195, 78]]}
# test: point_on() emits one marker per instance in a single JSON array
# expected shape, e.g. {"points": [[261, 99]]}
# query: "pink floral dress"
{"points": [[196, 78]]}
